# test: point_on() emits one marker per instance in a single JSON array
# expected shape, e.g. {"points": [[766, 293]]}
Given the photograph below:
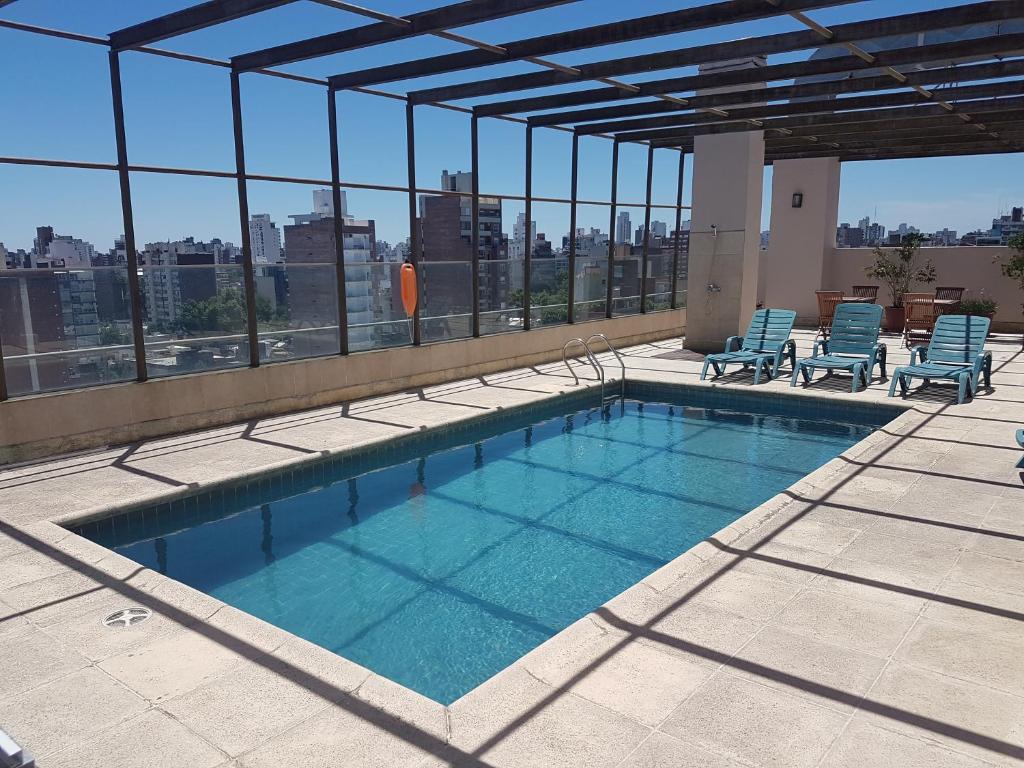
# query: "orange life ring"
{"points": [[409, 288]]}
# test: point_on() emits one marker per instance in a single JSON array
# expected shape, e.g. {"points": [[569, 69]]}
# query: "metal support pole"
{"points": [[131, 254], [647, 230], [611, 231], [243, 218], [475, 220], [572, 226], [414, 235], [3, 373], [679, 223], [339, 222], [528, 255]]}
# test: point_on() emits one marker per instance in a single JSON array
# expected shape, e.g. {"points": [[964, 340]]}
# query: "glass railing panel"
{"points": [[376, 316], [446, 300], [195, 318], [65, 328], [297, 311]]}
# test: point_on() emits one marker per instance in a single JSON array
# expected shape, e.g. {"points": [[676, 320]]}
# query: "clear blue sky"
{"points": [[57, 104]]}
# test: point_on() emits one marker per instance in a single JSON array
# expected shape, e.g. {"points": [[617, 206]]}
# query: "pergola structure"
{"points": [[959, 97]]}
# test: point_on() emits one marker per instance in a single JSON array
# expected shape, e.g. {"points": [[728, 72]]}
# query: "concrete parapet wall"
{"points": [[60, 422]]}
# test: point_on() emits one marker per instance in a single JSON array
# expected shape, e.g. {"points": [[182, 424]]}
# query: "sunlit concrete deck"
{"points": [[869, 615]]}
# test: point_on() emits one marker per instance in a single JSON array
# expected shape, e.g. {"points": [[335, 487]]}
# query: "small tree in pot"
{"points": [[1013, 267], [899, 269]]}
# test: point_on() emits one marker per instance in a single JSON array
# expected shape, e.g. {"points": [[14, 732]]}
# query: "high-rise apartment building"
{"points": [[265, 240], [623, 227]]}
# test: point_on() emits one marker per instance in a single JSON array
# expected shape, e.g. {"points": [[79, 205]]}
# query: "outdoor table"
{"points": [[943, 306], [858, 300]]}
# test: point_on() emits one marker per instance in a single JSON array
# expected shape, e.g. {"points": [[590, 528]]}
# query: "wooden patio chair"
{"points": [[919, 317], [866, 291], [948, 294], [827, 303]]}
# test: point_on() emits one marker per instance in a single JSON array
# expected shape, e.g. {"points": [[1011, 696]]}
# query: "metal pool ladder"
{"points": [[595, 363]]}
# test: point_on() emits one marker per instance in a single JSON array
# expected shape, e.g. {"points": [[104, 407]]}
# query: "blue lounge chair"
{"points": [[765, 344], [1020, 442], [956, 352], [853, 346]]}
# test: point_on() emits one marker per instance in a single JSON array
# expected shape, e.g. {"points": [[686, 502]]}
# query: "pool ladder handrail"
{"points": [[588, 352], [618, 357]]}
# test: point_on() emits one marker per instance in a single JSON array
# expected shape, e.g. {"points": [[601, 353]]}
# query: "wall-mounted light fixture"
{"points": [[798, 199]]}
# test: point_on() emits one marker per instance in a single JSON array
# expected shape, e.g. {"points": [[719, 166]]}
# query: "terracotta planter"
{"points": [[892, 319]]}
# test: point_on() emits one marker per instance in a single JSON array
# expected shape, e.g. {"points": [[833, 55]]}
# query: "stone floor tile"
{"points": [[30, 658], [754, 597], [244, 708], [816, 535], [67, 710], [637, 680], [151, 740], [755, 723], [989, 572], [963, 716], [977, 608], [866, 745], [995, 660], [847, 622], [336, 736], [775, 560], [171, 665], [914, 557], [660, 750], [517, 721], [826, 674]]}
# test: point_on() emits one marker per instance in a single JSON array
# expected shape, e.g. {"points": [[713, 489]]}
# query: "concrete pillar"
{"points": [[802, 238], [728, 177]]}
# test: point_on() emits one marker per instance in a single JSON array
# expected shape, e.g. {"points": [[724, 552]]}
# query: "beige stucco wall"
{"points": [[59, 422], [976, 269]]}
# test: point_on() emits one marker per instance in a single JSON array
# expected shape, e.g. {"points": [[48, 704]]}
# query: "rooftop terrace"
{"points": [[869, 614]]}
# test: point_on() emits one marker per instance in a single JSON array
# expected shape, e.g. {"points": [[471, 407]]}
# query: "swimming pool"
{"points": [[440, 562]]}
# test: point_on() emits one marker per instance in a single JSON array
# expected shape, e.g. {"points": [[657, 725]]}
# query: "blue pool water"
{"points": [[440, 571]]}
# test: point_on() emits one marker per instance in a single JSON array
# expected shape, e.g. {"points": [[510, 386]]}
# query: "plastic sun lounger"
{"points": [[764, 345], [853, 346], [956, 352], [1020, 442]]}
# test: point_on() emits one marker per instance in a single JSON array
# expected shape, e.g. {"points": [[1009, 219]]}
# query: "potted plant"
{"points": [[1013, 267], [982, 307], [899, 269]]}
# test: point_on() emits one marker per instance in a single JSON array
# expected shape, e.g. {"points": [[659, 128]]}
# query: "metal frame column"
{"points": [[474, 238], [414, 235], [571, 316], [339, 222], [243, 217], [131, 254], [644, 260], [528, 255], [679, 222]]}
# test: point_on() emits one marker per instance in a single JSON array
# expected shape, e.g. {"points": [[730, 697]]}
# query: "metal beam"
{"points": [[188, 20], [823, 119], [872, 101], [685, 20], [940, 52], [855, 84], [397, 28], [922, 151], [974, 13]]}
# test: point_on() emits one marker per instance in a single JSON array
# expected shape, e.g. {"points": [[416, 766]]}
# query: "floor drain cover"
{"points": [[127, 617]]}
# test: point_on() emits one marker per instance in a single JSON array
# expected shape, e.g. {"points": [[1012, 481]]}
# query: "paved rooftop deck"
{"points": [[870, 615]]}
